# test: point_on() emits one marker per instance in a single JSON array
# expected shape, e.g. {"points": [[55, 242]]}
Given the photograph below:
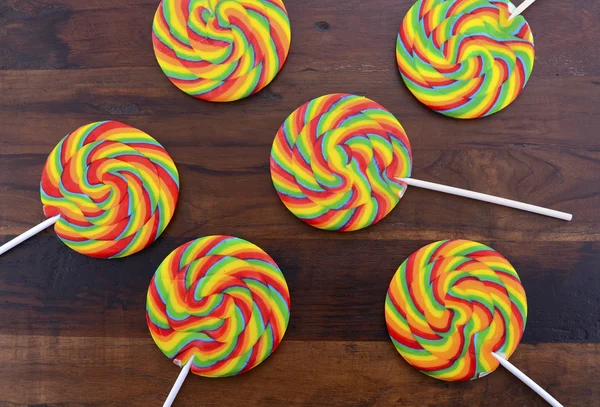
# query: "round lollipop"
{"points": [[217, 305], [109, 189], [221, 50], [465, 58], [455, 309], [343, 162]]}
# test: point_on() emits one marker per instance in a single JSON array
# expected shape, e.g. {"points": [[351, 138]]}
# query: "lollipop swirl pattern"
{"points": [[221, 50], [450, 305], [464, 58], [221, 300], [114, 187], [335, 160]]}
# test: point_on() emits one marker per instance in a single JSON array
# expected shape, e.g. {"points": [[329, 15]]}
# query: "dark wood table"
{"points": [[73, 329]]}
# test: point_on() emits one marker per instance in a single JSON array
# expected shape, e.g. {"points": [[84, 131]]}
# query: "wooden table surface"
{"points": [[72, 328]]}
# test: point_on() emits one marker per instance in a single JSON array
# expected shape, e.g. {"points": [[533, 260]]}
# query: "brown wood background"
{"points": [[72, 329]]}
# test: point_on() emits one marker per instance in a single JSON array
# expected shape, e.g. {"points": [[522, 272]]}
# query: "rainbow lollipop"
{"points": [[217, 305], [455, 309], [465, 58], [109, 189], [221, 50], [343, 162]]}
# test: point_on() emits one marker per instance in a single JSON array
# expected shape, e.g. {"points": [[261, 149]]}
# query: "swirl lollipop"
{"points": [[343, 162], [455, 309], [219, 306], [221, 50], [109, 189], [465, 58]]}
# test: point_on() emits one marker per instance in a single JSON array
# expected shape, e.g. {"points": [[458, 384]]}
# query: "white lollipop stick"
{"points": [[31, 232], [517, 11], [523, 377], [487, 198], [178, 383]]}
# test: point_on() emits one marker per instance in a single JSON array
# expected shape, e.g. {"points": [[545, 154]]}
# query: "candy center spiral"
{"points": [[101, 181], [215, 34], [220, 305], [456, 304]]}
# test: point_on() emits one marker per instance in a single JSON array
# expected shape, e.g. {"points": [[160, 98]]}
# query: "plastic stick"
{"points": [[487, 198], [517, 11], [178, 383], [31, 232], [523, 377]]}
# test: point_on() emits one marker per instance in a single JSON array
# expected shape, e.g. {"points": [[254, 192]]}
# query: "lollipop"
{"points": [[218, 305], [221, 50], [455, 309], [109, 189], [465, 58], [343, 162]]}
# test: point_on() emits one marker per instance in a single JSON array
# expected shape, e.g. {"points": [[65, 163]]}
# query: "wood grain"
{"points": [[554, 163], [72, 329], [337, 288], [133, 372]]}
